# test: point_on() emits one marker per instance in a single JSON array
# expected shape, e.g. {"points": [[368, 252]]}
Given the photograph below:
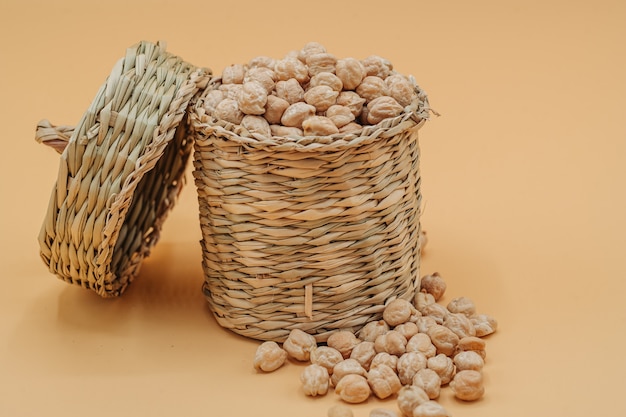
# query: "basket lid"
{"points": [[121, 170]]}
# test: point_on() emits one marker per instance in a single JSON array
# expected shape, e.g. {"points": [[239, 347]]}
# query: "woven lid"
{"points": [[121, 170]]}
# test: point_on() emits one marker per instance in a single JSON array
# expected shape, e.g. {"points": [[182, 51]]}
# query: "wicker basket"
{"points": [[121, 170], [315, 233]]}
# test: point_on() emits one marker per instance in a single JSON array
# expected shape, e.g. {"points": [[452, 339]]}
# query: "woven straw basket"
{"points": [[314, 233], [121, 170]]}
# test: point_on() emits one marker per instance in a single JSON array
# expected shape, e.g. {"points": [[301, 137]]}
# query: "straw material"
{"points": [[315, 233], [121, 170]]}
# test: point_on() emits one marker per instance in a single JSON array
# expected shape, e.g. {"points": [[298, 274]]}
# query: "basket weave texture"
{"points": [[121, 170], [315, 233]]}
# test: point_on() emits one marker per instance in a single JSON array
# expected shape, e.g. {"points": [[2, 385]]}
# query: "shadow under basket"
{"points": [[313, 233]]}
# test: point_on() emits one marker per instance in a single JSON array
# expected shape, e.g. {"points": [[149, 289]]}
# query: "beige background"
{"points": [[523, 179]]}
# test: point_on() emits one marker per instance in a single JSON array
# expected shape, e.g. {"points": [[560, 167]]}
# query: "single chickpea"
{"points": [[351, 72], [469, 361], [290, 90], [444, 339], [228, 110], [252, 98], [231, 90], [262, 62], [353, 389], [397, 312], [484, 324], [409, 397], [269, 357], [391, 342], [474, 344], [377, 66], [436, 311], [286, 131], [383, 412], [340, 115], [326, 78], [468, 385], [351, 100], [364, 353], [421, 343], [408, 329], [384, 358], [444, 367], [233, 74], [322, 97], [263, 76], [429, 381], [315, 380], [422, 300], [325, 356], [321, 62], [409, 364], [297, 113], [400, 88], [274, 109], [344, 341], [381, 108], [459, 324], [383, 381], [319, 126], [346, 367], [424, 323], [372, 330], [462, 305], [212, 99], [433, 284], [430, 409], [310, 48], [256, 124], [351, 127], [299, 345], [372, 87], [290, 68]]}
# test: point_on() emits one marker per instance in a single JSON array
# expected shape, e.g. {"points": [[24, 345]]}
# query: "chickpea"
{"points": [[263, 76], [436, 311], [344, 341], [460, 324], [484, 324], [383, 381], [321, 97], [400, 88], [421, 343], [473, 344], [397, 312], [310, 48], [315, 380], [325, 356], [383, 412], [468, 360], [256, 124], [262, 62], [340, 410], [319, 126], [299, 345], [444, 367], [297, 113], [372, 330], [409, 397], [377, 66], [408, 365], [340, 115], [252, 98], [424, 323], [444, 339], [372, 87], [326, 78], [212, 99], [269, 357], [353, 389], [468, 385], [384, 358], [351, 127], [364, 353], [351, 72], [422, 300], [290, 68], [274, 109], [391, 342], [290, 90], [433, 284], [228, 110], [286, 131], [346, 367], [408, 329], [429, 381], [321, 62], [351, 100], [462, 305], [233, 74], [381, 108]]}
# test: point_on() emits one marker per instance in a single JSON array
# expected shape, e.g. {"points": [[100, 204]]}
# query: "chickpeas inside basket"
{"points": [[307, 223]]}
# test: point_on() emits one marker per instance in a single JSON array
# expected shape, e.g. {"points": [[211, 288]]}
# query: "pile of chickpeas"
{"points": [[417, 348], [309, 92]]}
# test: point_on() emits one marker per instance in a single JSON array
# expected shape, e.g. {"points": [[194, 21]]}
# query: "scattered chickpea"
{"points": [[391, 342], [299, 345], [484, 324], [408, 329], [468, 360], [433, 284], [459, 324], [315, 380], [409, 364], [372, 330], [325, 356], [436, 311], [383, 381], [346, 367], [424, 323], [444, 339], [468, 385], [429, 381], [384, 358], [444, 367], [462, 305], [422, 300], [364, 353], [344, 341], [397, 312], [421, 343], [353, 389], [409, 397], [269, 357], [430, 409], [473, 344]]}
